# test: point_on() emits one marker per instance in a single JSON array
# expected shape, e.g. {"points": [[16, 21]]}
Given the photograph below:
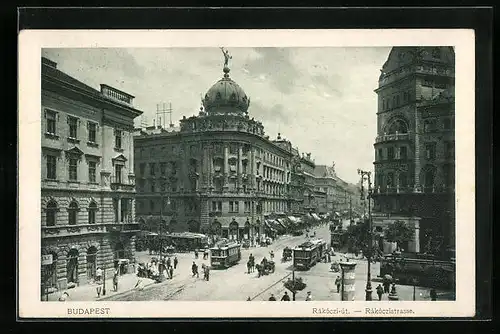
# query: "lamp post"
{"points": [[366, 176]]}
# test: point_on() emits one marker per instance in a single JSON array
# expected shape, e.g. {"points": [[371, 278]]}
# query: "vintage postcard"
{"points": [[278, 173]]}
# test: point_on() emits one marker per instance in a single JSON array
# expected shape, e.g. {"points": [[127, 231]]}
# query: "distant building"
{"points": [[415, 145], [87, 178], [218, 173]]}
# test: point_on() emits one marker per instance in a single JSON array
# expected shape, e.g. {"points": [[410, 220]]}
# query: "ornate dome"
{"points": [[226, 96]]}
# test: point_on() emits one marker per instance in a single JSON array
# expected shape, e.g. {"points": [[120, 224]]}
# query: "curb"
{"points": [[124, 292]]}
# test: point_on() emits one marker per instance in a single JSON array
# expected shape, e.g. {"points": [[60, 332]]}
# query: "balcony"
{"points": [[413, 190], [85, 229], [119, 184], [123, 227], [392, 137]]}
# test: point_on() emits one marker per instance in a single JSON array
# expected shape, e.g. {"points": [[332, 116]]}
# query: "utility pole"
{"points": [[366, 176], [162, 110], [350, 208]]}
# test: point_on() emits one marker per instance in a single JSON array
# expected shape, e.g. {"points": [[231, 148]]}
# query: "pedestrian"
{"points": [[249, 266], [285, 297], [337, 283], [171, 272], [272, 298], [433, 294], [207, 273], [309, 296], [98, 274], [249, 299], [205, 254], [380, 291], [194, 268], [387, 284], [115, 281], [196, 254], [175, 262], [169, 262]]}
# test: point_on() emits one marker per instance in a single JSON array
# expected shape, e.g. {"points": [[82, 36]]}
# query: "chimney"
{"points": [[48, 62]]}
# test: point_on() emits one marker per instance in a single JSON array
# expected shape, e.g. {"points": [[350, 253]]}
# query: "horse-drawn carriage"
{"points": [[265, 268], [287, 254]]}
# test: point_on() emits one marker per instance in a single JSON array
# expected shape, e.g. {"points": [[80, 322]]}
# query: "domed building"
{"points": [[415, 146], [218, 173]]}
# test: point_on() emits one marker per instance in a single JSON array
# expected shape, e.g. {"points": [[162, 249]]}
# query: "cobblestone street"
{"points": [[236, 284]]}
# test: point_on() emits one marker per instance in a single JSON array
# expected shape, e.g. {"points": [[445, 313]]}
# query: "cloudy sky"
{"points": [[321, 99]]}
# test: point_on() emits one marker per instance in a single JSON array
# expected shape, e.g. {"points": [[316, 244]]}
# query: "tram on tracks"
{"points": [[225, 255], [307, 254]]}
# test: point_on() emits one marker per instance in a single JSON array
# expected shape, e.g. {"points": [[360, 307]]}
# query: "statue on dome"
{"points": [[226, 56]]}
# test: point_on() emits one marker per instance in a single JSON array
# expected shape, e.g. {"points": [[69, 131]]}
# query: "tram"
{"points": [[225, 255], [309, 253]]}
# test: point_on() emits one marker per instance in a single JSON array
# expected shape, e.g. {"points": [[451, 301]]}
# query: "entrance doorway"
{"points": [[91, 262], [72, 266]]}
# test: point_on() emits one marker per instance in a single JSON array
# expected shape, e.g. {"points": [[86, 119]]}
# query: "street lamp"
{"points": [[366, 176]]}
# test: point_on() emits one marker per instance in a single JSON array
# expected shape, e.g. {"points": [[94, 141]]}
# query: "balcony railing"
{"points": [[83, 229], [392, 137], [121, 184], [412, 190]]}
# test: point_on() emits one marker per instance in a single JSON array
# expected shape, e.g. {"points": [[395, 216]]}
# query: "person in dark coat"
{"points": [[272, 298], [338, 282], [433, 294], [171, 272], [169, 263], [175, 262], [386, 284], [380, 291], [194, 268], [285, 297]]}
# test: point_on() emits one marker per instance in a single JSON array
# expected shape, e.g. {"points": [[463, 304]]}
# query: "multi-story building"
{"points": [[414, 148], [87, 178], [218, 173], [342, 198]]}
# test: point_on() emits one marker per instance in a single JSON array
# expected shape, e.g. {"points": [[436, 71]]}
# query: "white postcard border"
{"points": [[32, 41]]}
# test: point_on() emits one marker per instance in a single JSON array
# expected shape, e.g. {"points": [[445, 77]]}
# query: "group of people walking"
{"points": [[286, 297]]}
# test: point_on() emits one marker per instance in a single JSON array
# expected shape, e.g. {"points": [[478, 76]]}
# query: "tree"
{"points": [[358, 237], [399, 232]]}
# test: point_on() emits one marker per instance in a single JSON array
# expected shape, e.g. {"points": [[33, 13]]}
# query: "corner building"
{"points": [[415, 146], [87, 178], [217, 174]]}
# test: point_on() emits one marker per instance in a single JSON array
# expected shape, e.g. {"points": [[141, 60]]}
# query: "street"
{"points": [[235, 283]]}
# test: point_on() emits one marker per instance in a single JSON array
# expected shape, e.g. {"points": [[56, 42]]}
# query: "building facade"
{"points": [[218, 173], [87, 178], [414, 147]]}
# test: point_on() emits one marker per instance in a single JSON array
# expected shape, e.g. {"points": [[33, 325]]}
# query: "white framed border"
{"points": [[32, 41]]}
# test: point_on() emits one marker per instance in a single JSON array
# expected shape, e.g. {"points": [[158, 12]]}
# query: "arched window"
{"points": [[51, 213], [73, 213], [92, 212], [397, 126]]}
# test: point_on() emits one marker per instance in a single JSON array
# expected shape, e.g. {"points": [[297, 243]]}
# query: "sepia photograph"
{"points": [[249, 174]]}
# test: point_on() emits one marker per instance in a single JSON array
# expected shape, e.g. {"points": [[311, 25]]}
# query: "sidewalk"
{"points": [[88, 292]]}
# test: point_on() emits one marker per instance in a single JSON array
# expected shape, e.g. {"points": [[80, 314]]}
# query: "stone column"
{"points": [[240, 168], [118, 209], [417, 149], [416, 239], [348, 280], [226, 166], [253, 169]]}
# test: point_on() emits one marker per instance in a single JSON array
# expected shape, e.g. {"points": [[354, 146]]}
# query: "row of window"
{"points": [[73, 164], [401, 153], [388, 103], [73, 209], [275, 174], [153, 168], [73, 124], [445, 123], [428, 177]]}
